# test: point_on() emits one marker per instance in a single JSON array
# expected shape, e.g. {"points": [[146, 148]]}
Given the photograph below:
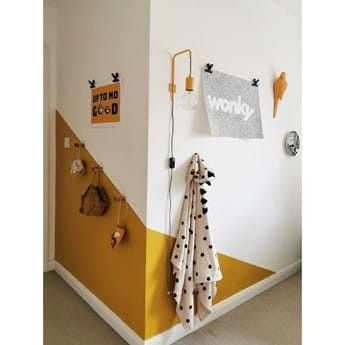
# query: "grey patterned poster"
{"points": [[232, 105]]}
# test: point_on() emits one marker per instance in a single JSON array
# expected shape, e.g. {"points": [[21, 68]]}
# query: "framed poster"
{"points": [[105, 105], [232, 106]]}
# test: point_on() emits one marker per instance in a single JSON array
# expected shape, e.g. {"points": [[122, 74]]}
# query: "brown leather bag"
{"points": [[94, 202]]}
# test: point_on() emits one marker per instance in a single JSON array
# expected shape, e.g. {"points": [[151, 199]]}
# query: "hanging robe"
{"points": [[194, 258]]}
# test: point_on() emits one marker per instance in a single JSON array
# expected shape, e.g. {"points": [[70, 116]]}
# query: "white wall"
{"points": [[50, 22], [292, 6], [96, 38], [255, 202]]}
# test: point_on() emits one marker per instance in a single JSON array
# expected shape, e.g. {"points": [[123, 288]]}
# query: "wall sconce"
{"points": [[188, 102], [188, 99]]}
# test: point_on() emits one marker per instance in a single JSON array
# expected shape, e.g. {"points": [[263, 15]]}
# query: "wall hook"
{"points": [[97, 168], [92, 83], [208, 68], [255, 82], [80, 145], [115, 77], [119, 197]]}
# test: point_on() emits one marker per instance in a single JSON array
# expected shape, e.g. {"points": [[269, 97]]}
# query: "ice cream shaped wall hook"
{"points": [[279, 88]]}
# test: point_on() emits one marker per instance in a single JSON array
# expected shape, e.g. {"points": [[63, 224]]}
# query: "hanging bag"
{"points": [[94, 201], [120, 231], [78, 166]]}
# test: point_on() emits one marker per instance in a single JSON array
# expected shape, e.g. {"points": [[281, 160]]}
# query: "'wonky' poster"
{"points": [[232, 105]]}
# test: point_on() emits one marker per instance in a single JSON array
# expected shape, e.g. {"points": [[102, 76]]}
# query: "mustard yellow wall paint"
{"points": [[116, 276], [131, 280], [159, 306]]}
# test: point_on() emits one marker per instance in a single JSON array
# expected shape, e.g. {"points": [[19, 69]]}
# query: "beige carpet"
{"points": [[272, 318]]}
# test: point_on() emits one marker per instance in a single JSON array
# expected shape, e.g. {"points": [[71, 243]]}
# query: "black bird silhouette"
{"points": [[92, 83], [255, 82], [115, 77], [209, 67]]}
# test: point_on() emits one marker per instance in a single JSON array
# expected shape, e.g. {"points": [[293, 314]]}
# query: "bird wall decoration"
{"points": [[279, 88]]}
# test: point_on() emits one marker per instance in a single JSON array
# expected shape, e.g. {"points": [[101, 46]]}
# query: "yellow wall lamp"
{"points": [[188, 102], [188, 99]]}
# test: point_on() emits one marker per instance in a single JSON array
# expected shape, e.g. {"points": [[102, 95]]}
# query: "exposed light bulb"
{"points": [[189, 101]]}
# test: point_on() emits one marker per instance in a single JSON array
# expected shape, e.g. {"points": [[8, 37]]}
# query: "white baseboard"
{"points": [[177, 332], [99, 307], [49, 266]]}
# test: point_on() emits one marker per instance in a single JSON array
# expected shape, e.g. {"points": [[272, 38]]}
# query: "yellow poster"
{"points": [[105, 104]]}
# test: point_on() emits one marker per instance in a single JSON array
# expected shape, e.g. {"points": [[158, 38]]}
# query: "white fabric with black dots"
{"points": [[195, 264]]}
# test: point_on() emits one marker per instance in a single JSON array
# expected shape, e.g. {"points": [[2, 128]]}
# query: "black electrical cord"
{"points": [[171, 175], [171, 163]]}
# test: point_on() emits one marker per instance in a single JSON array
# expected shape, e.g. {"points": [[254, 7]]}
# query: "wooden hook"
{"points": [[79, 145], [119, 197], [97, 168]]}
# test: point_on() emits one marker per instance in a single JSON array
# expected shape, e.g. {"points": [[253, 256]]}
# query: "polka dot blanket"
{"points": [[195, 264]]}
